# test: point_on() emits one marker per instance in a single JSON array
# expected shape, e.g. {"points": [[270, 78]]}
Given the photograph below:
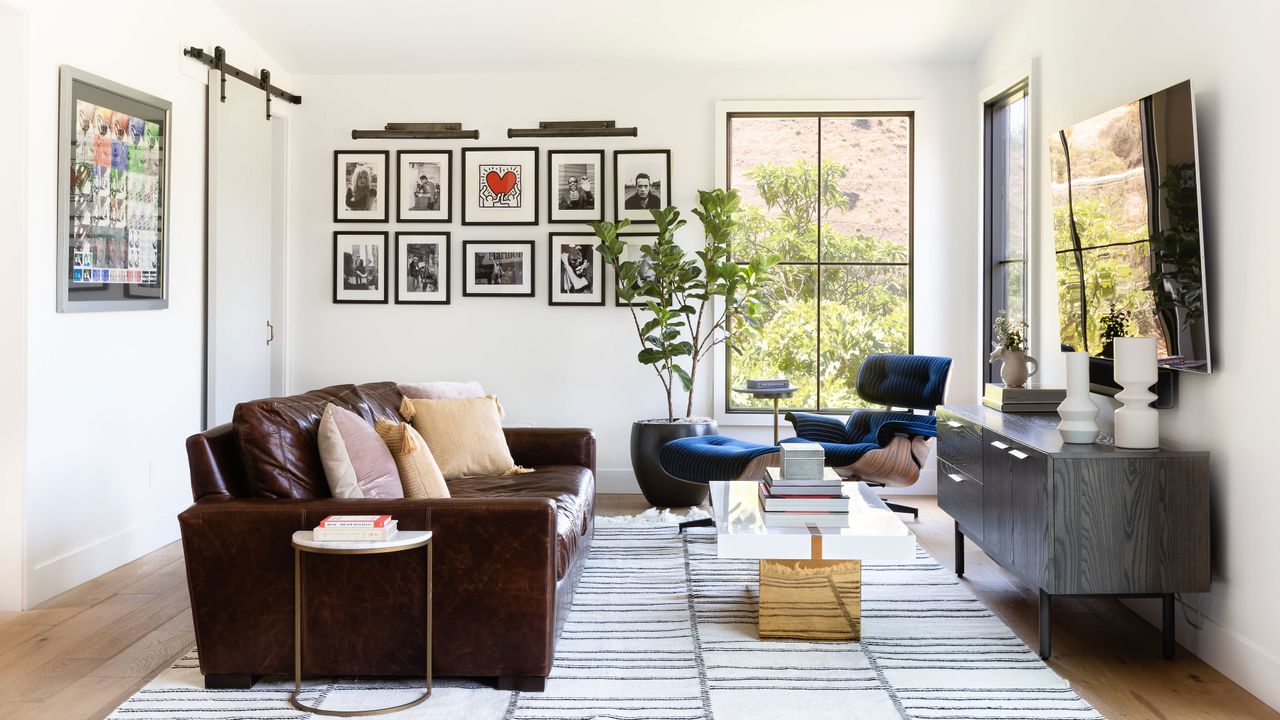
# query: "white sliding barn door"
{"points": [[241, 231]]}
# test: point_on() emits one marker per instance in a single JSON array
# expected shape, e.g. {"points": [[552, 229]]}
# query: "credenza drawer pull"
{"points": [[955, 477], [998, 444], [954, 424], [1018, 454]]}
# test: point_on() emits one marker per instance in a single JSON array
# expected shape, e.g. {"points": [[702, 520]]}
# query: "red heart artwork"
{"points": [[500, 184]]}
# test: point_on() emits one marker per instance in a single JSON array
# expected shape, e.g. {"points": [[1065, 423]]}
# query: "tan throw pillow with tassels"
{"points": [[419, 474], [464, 435]]}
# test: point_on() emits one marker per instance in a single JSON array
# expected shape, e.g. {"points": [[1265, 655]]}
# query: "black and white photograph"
{"points": [[576, 274], [641, 182], [500, 186], [632, 254], [359, 267], [497, 268], [422, 268], [576, 182], [360, 185], [425, 182]]}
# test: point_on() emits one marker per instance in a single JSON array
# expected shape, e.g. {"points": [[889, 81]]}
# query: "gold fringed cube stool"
{"points": [[810, 564]]}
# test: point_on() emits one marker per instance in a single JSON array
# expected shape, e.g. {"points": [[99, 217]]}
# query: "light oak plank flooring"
{"points": [[79, 655]]}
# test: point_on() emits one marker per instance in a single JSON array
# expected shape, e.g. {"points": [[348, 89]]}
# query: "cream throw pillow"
{"points": [[465, 435], [419, 474], [356, 462]]}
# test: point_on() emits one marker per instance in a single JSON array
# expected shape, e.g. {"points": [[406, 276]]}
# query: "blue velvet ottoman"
{"points": [[716, 457]]}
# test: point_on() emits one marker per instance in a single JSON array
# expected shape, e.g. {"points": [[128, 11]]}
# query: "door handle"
{"points": [[1018, 454], [272, 330], [998, 444], [955, 477]]}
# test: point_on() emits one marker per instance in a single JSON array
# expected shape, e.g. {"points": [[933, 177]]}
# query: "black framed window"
{"points": [[831, 193], [1005, 212]]}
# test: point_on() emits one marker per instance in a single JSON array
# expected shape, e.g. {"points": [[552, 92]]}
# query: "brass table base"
{"points": [[810, 599]]}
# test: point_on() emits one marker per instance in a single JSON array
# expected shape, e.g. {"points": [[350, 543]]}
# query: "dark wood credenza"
{"points": [[1067, 519]]}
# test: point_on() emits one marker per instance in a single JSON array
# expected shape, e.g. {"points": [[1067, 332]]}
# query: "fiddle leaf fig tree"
{"points": [[682, 306]]}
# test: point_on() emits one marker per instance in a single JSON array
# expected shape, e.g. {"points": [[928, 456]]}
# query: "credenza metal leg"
{"points": [[959, 551], [1167, 625], [1046, 625]]}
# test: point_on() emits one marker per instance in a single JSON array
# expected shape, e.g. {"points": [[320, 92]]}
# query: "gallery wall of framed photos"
{"points": [[493, 186]]}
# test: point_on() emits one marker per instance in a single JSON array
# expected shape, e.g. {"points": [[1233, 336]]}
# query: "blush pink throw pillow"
{"points": [[443, 390], [357, 463]]}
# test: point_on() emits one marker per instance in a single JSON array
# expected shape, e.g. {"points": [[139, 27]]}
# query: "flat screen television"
{"points": [[1127, 231]]}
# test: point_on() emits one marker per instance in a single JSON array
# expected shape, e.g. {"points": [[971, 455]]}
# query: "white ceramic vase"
{"points": [[1013, 366], [1137, 423], [1079, 415]]}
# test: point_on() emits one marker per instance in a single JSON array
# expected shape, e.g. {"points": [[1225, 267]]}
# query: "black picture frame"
{"points": [[639, 216], [338, 267], [526, 246], [554, 213], [445, 262], [553, 268], [653, 237], [339, 185], [446, 183], [494, 216]]}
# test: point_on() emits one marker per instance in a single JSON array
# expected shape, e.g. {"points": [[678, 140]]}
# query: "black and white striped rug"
{"points": [[663, 629]]}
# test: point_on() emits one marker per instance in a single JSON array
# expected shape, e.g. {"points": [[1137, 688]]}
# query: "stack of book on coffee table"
{"points": [[1029, 399], [348, 528], [802, 485]]}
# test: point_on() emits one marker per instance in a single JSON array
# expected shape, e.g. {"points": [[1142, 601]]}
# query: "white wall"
{"points": [[13, 321], [1094, 55], [576, 366], [112, 396]]}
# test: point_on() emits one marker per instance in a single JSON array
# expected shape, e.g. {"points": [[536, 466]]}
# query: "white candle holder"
{"points": [[1078, 412], [1137, 423]]}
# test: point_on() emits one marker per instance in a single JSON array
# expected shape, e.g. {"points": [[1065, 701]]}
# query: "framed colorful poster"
{"points": [[113, 199], [500, 186], [576, 274], [497, 268], [575, 182], [359, 267], [424, 186], [422, 268], [641, 182], [360, 186]]}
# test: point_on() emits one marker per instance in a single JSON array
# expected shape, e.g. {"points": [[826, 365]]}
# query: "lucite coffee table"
{"points": [[810, 565]]}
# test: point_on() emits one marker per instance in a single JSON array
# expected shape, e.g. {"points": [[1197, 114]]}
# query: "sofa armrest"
{"points": [[534, 447], [495, 566]]}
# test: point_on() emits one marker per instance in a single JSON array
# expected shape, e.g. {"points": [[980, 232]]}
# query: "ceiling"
{"points": [[421, 36]]}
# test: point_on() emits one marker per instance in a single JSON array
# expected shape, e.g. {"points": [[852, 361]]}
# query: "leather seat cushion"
{"points": [[572, 487]]}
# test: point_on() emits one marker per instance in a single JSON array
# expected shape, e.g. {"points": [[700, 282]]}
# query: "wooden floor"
{"points": [[82, 653]]}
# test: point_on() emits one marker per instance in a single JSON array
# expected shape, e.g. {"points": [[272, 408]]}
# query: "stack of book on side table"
{"points": [[355, 528], [770, 384], [801, 489], [1029, 399]]}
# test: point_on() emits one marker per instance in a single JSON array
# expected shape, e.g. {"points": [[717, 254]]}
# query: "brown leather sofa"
{"points": [[507, 554]]}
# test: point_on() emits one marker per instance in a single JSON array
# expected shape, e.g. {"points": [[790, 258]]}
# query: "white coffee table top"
{"points": [[403, 540], [869, 532]]}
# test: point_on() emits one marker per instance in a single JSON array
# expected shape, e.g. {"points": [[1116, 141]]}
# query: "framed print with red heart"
{"points": [[500, 186]]}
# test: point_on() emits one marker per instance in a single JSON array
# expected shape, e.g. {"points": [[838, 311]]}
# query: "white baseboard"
{"points": [[99, 556], [1252, 667]]}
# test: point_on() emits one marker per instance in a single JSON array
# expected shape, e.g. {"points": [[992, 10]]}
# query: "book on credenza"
{"points": [[1022, 407], [355, 521], [773, 476], [999, 394], [359, 534], [772, 503]]}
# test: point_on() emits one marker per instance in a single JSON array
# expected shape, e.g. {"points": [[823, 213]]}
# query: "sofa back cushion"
{"points": [[278, 436]]}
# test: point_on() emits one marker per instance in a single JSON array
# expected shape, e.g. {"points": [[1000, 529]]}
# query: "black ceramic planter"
{"points": [[659, 488]]}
